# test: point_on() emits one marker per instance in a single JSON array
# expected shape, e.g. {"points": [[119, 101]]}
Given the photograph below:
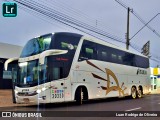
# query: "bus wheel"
{"points": [[79, 96], [139, 93], [133, 92]]}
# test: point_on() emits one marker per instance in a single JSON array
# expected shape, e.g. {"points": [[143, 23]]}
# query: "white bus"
{"points": [[63, 66]]}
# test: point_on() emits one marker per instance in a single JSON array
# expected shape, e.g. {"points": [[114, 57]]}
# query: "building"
{"points": [[7, 51], [155, 78]]}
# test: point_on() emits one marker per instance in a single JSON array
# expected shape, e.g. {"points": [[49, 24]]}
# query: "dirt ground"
{"points": [[6, 99]]}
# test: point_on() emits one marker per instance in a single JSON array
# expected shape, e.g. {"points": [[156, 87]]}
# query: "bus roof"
{"points": [[102, 42], [99, 41]]}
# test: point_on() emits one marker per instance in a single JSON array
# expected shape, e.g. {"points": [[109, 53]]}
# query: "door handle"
{"points": [[61, 83]]}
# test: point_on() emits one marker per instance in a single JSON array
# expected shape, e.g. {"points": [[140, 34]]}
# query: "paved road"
{"points": [[147, 103]]}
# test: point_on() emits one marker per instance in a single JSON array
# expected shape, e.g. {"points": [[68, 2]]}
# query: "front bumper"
{"points": [[36, 99]]}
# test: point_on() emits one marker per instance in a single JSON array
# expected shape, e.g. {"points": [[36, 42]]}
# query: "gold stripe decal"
{"points": [[93, 65], [104, 88], [108, 87], [96, 76]]}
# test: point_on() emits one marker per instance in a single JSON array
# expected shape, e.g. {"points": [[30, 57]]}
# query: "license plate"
{"points": [[26, 100]]}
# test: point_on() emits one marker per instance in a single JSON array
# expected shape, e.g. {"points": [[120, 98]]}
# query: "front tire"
{"points": [[79, 96]]}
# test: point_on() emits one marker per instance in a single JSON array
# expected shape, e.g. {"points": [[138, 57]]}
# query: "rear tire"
{"points": [[133, 92], [79, 96]]}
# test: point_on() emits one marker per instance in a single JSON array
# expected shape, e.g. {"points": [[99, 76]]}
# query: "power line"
{"points": [[30, 5], [136, 48], [152, 55], [64, 23], [139, 18], [144, 25], [68, 9], [42, 17], [157, 59], [44, 14]]}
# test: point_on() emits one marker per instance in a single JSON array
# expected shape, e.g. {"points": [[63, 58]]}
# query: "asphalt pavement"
{"points": [[149, 103]]}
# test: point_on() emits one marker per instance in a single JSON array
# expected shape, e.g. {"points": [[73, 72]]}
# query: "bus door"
{"points": [[67, 87], [56, 72]]}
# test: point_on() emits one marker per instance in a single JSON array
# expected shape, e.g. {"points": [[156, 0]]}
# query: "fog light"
{"points": [[43, 89], [38, 91], [16, 91]]}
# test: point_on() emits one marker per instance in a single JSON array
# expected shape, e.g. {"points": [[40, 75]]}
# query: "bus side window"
{"points": [[114, 57], [88, 51], [102, 55]]}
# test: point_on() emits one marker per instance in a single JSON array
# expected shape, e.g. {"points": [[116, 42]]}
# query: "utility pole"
{"points": [[127, 34]]}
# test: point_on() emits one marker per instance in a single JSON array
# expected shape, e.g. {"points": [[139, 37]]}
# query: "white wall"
{"points": [[9, 51]]}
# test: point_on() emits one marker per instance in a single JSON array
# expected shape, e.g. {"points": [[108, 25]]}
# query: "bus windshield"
{"points": [[31, 73], [36, 45]]}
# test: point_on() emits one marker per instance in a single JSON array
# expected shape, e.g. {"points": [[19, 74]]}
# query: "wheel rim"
{"points": [[81, 97]]}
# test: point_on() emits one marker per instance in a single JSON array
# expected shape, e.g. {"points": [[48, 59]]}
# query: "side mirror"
{"points": [[9, 61], [50, 53]]}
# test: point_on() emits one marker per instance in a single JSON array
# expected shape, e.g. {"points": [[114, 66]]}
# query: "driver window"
{"points": [[56, 73]]}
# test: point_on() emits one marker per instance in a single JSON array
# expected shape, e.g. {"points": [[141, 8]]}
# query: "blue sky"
{"points": [[108, 13]]}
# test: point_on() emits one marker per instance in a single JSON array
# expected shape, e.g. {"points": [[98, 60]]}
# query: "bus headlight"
{"points": [[43, 89], [38, 91], [16, 91]]}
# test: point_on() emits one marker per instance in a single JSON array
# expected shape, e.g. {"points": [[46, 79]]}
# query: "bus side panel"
{"points": [[101, 83], [84, 78]]}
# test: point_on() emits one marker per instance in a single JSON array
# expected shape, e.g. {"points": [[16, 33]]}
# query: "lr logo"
{"points": [[9, 9]]}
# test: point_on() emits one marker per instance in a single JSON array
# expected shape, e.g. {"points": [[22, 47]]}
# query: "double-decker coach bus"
{"points": [[63, 66]]}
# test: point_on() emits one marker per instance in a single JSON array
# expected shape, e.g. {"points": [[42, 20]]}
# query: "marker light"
{"points": [[38, 91], [16, 91], [43, 89], [23, 64]]}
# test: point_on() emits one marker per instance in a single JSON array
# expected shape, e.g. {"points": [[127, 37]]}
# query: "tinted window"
{"points": [[36, 45], [64, 41], [88, 51], [103, 53], [56, 69], [108, 54]]}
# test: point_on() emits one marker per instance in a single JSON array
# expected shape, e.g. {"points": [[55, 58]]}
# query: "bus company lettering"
{"points": [[139, 71], [62, 59], [57, 93], [25, 90]]}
